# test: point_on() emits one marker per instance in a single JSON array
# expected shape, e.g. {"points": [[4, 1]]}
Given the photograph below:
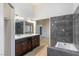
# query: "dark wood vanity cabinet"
{"points": [[35, 41], [19, 48], [25, 45], [29, 44]]}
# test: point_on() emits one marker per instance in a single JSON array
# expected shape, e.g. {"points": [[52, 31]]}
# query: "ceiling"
{"points": [[24, 9], [42, 10]]}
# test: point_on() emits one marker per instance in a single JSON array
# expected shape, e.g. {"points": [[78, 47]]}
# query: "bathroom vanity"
{"points": [[25, 43], [25, 40]]}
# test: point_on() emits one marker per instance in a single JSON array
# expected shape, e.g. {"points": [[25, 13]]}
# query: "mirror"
{"points": [[28, 27], [22, 26], [19, 28]]}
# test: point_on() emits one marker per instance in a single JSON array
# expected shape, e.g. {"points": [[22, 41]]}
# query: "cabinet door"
{"points": [[38, 40], [29, 44], [25, 46], [19, 49], [33, 42]]}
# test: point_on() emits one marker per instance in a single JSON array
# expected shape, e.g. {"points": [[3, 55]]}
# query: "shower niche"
{"points": [[62, 29]]}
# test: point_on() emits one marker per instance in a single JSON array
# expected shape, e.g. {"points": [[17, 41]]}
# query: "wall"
{"points": [[7, 45], [9, 30], [45, 27], [12, 33], [1, 30], [62, 29], [46, 10], [76, 28]]}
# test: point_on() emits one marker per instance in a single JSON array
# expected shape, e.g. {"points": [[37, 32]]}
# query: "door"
{"points": [[40, 30]]}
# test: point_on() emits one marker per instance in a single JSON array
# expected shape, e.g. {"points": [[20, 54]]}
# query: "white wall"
{"points": [[45, 27], [1, 30], [7, 45], [12, 33], [46, 10]]}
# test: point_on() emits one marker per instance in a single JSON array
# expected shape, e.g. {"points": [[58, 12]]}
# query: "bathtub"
{"points": [[67, 46], [62, 49]]}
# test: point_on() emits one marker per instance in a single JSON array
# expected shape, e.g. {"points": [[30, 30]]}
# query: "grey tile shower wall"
{"points": [[76, 30], [62, 29]]}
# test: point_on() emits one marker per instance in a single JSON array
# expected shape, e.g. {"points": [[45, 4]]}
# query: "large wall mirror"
{"points": [[28, 27], [22, 26], [19, 27]]}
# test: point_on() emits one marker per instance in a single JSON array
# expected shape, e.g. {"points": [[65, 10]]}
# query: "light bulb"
{"points": [[63, 30]]}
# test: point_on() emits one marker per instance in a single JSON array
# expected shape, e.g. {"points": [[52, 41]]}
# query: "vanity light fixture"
{"points": [[21, 18]]}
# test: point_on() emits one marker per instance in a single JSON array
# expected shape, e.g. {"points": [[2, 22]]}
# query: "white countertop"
{"points": [[24, 35]]}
